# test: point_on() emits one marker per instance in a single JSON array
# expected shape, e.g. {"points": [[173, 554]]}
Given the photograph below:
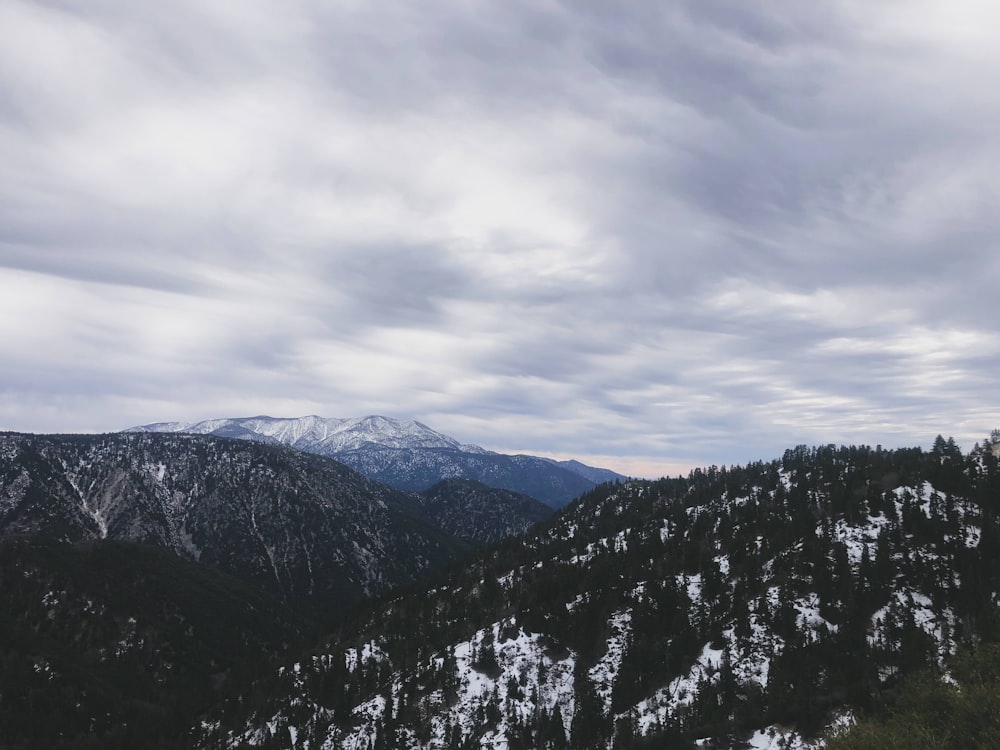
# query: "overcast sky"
{"points": [[649, 238]]}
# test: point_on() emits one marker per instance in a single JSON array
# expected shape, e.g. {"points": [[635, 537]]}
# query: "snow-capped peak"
{"points": [[314, 433]]}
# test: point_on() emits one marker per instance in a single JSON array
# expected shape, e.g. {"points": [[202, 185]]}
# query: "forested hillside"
{"points": [[749, 603], [957, 710], [109, 646], [302, 527], [477, 514]]}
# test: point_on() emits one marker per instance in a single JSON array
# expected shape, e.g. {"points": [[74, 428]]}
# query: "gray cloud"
{"points": [[673, 235]]}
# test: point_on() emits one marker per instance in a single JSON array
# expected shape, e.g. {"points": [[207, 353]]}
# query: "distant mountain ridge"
{"points": [[406, 454], [593, 473], [323, 435]]}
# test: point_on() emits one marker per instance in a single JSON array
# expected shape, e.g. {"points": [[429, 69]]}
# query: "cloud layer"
{"points": [[677, 235]]}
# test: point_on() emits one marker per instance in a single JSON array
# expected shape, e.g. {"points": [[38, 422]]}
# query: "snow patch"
{"points": [[604, 673]]}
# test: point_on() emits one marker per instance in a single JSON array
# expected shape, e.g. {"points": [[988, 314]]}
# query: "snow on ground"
{"points": [[809, 620], [158, 470], [786, 479], [920, 495], [370, 651], [740, 500], [776, 737], [751, 658], [780, 738], [664, 531], [361, 737], [722, 563], [857, 538], [908, 603], [603, 673], [527, 676], [680, 692], [972, 536], [693, 586], [525, 679], [616, 544]]}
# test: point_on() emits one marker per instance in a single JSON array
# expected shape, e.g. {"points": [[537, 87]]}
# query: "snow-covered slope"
{"points": [[748, 606], [326, 436]]}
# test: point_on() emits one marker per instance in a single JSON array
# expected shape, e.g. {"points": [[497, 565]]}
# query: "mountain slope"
{"points": [[305, 528], [110, 645], [928, 712], [595, 475], [478, 514], [749, 604], [416, 469], [325, 436], [406, 454]]}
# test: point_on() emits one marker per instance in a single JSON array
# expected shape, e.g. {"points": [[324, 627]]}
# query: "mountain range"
{"points": [[406, 454], [302, 527], [163, 591]]}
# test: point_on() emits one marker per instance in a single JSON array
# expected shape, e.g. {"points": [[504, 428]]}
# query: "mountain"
{"points": [[406, 454], [301, 527], [114, 645], [319, 434], [480, 515], [416, 469], [742, 606], [110, 618], [595, 475]]}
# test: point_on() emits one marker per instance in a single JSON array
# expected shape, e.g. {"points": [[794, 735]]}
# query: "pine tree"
{"points": [[590, 727]]}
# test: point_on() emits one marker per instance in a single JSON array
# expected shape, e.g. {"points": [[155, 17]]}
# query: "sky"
{"points": [[649, 236]]}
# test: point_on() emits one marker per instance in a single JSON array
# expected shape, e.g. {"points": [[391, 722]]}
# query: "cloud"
{"points": [[683, 234]]}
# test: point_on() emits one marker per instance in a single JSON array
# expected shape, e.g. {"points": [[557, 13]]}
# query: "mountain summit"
{"points": [[323, 435], [406, 454]]}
